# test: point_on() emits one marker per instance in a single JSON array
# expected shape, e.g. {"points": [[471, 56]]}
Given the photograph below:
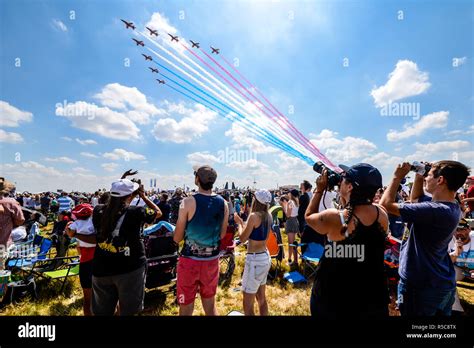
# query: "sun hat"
{"points": [[263, 196], [82, 210], [123, 187]]}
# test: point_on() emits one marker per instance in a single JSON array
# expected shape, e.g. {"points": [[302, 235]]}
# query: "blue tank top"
{"points": [[202, 233], [261, 232]]}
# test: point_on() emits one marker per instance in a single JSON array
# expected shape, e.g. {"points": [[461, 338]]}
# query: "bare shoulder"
{"points": [[253, 220], [382, 211], [383, 216], [187, 202], [331, 213]]}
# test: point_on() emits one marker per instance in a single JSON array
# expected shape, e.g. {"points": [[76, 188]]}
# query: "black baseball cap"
{"points": [[362, 175]]}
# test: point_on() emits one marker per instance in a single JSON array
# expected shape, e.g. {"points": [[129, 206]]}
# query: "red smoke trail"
{"points": [[302, 139]]}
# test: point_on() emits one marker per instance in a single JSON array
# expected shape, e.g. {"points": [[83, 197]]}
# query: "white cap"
{"points": [[123, 187], [263, 196]]}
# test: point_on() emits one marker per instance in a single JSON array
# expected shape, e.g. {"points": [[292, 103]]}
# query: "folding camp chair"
{"points": [[23, 256], [55, 268], [310, 257], [64, 271], [275, 249]]}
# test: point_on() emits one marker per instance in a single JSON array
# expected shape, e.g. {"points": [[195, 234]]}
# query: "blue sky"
{"points": [[328, 61]]}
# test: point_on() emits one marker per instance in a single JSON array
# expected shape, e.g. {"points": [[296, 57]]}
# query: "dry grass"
{"points": [[283, 297]]}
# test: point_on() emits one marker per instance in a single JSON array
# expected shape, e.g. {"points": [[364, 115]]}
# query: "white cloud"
{"points": [[434, 120], [442, 146], [243, 138], [342, 150], [159, 22], [59, 25], [81, 170], [62, 159], [291, 170], [442, 150], [193, 125], [202, 158], [10, 116], [99, 120], [66, 138], [23, 169], [86, 142], [10, 137], [162, 24], [251, 165], [383, 161], [118, 154], [468, 131], [405, 81], [89, 155], [128, 100], [35, 177], [110, 167]]}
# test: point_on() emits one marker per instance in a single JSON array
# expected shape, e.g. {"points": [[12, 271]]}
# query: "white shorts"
{"points": [[255, 271]]}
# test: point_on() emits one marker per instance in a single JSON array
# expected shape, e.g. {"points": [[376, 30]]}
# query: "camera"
{"points": [[420, 168], [333, 178], [135, 180]]}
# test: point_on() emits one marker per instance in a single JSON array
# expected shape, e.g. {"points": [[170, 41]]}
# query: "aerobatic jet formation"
{"points": [[147, 57], [152, 32], [174, 38], [128, 24], [139, 43]]}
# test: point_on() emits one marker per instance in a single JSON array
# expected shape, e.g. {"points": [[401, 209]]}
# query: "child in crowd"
{"points": [[83, 226]]}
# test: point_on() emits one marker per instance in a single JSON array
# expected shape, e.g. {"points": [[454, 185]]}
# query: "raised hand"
{"points": [[129, 172]]}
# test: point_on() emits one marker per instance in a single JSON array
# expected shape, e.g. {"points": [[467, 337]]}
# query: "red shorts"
{"points": [[196, 276], [87, 253]]}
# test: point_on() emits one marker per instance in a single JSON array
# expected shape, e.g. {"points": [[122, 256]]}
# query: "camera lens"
{"points": [[318, 167]]}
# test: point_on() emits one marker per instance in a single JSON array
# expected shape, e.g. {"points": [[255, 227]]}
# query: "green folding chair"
{"points": [[65, 271]]}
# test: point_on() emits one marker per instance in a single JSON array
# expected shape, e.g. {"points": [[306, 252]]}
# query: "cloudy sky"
{"points": [[376, 82]]}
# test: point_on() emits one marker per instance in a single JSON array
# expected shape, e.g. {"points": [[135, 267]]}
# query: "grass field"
{"points": [[283, 297]]}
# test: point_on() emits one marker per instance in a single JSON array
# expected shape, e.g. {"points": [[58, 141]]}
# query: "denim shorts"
{"points": [[256, 270]]}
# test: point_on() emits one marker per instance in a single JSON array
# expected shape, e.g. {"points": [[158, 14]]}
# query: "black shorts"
{"points": [[85, 274]]}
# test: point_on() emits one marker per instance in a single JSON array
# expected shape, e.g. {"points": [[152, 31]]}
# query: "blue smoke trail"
{"points": [[268, 137]]}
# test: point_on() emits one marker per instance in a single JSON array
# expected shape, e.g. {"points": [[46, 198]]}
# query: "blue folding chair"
{"points": [[294, 277], [25, 256], [310, 256]]}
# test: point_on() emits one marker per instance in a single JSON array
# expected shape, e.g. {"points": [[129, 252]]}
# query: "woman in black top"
{"points": [[350, 279], [119, 265]]}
